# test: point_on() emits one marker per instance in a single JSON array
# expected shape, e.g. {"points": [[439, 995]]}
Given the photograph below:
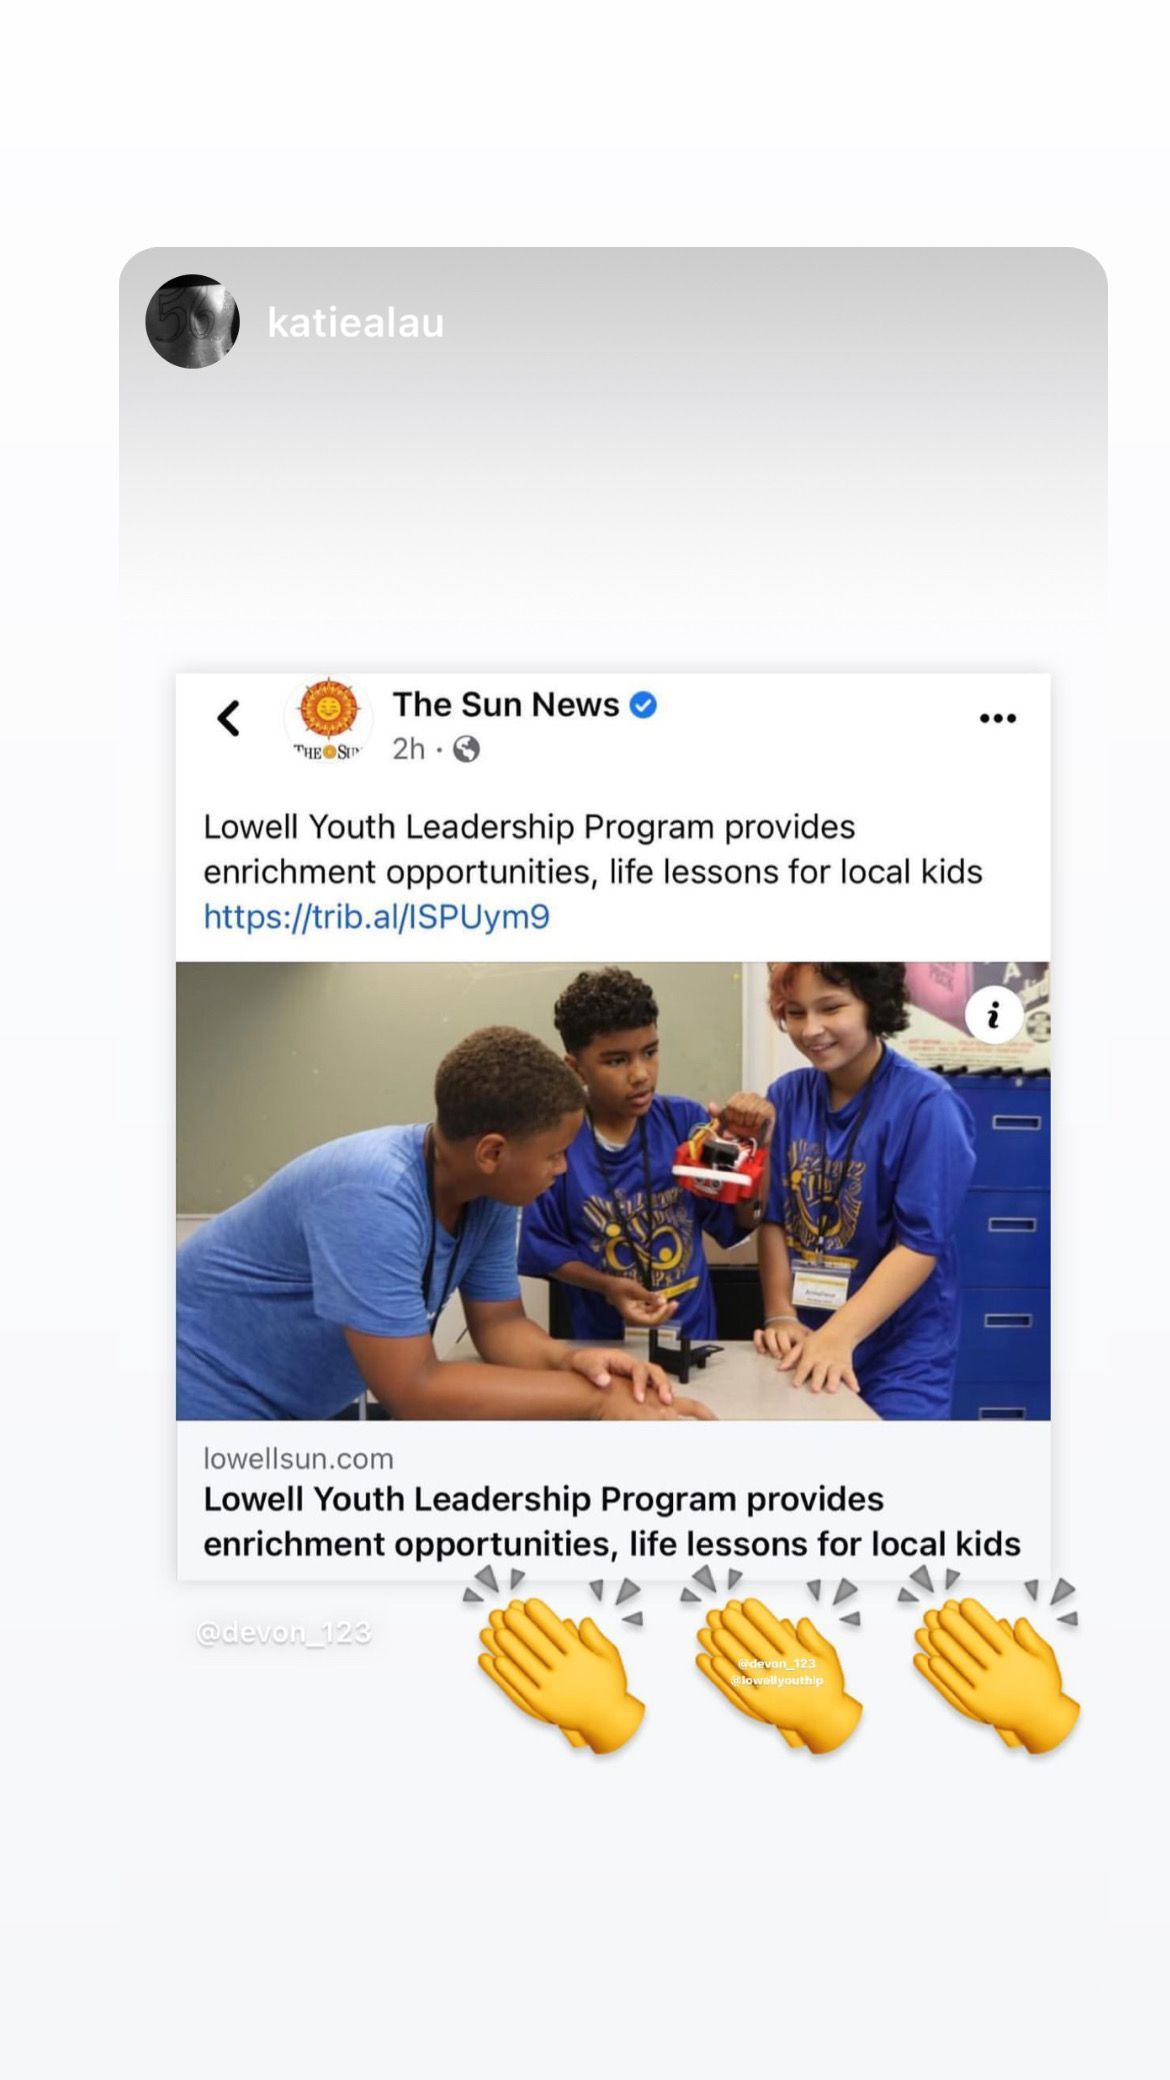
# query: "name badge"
{"points": [[822, 1284]]}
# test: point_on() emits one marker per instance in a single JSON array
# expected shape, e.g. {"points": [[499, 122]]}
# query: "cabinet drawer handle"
{"points": [[1016, 1122], [1009, 1321], [1012, 1224]]}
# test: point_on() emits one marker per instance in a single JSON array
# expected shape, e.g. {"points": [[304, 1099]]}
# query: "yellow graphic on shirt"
{"points": [[811, 1181], [662, 1246]]}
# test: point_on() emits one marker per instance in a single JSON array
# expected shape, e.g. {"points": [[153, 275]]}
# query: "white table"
{"points": [[740, 1386]]}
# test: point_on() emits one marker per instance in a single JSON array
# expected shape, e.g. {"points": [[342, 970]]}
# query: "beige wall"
{"points": [[273, 1059]]}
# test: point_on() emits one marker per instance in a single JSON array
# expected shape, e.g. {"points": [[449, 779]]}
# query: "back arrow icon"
{"points": [[224, 717]]}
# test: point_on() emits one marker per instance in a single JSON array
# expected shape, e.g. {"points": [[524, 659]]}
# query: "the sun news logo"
{"points": [[326, 722]]}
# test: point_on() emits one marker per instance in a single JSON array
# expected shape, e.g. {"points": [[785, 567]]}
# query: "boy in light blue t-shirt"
{"points": [[329, 1279]]}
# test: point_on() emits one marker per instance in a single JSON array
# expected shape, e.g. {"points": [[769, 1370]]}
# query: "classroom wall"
{"points": [[274, 1058]]}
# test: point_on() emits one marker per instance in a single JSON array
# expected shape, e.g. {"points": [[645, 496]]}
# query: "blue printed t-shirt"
{"points": [[577, 1221], [336, 1240], [909, 1171]]}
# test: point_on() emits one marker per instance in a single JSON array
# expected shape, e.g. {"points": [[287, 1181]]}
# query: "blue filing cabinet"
{"points": [[1004, 1252]]}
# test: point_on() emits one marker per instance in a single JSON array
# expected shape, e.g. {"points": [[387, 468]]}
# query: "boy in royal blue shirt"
{"points": [[871, 1161], [618, 1230]]}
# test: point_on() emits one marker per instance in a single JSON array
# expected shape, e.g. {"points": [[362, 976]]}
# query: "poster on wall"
{"points": [[937, 1035]]}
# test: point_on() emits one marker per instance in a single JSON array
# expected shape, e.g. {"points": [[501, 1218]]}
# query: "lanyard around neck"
{"points": [[429, 1146], [828, 1206], [643, 1259]]}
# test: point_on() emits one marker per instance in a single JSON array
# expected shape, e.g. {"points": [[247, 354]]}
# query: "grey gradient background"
{"points": [[701, 457]]}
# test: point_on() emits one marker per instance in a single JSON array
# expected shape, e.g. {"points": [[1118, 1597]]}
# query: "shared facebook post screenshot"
{"points": [[500, 1122], [606, 1234]]}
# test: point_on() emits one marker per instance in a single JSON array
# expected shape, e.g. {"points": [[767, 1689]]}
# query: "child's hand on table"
{"points": [[618, 1405], [822, 1361], [780, 1339], [610, 1368]]}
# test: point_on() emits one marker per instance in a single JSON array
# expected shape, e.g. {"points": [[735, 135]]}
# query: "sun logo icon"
{"points": [[328, 708], [326, 722]]}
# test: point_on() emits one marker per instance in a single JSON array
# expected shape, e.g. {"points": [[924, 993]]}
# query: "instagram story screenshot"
{"points": [[607, 1232]]}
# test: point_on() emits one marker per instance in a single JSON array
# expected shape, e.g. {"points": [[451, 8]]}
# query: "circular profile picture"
{"points": [[192, 321], [326, 721]]}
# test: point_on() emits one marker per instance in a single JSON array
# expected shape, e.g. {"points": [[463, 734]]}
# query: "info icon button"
{"points": [[994, 1015]]}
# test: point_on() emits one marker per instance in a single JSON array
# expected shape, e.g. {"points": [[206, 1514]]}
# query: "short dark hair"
{"points": [[603, 1000], [881, 985], [502, 1081]]}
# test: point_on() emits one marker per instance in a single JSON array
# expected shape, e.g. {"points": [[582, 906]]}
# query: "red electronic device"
{"points": [[717, 1165]]}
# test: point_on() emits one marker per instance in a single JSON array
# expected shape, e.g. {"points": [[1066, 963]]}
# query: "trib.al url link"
{"points": [[400, 920]]}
